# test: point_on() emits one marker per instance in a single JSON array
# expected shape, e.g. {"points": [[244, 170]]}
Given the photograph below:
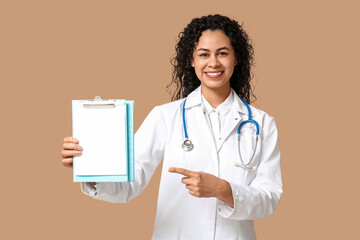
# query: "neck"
{"points": [[215, 96]]}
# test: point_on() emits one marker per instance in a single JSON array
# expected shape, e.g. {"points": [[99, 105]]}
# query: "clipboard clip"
{"points": [[98, 98], [99, 103]]}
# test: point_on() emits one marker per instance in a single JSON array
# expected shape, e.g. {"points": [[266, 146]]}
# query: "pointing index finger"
{"points": [[181, 171]]}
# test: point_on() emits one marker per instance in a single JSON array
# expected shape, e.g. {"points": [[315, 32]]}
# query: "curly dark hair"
{"points": [[184, 77]]}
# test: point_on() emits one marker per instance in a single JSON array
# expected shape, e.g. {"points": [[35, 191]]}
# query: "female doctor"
{"points": [[221, 166]]}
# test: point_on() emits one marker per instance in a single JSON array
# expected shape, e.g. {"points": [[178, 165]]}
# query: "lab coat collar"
{"points": [[238, 105], [194, 99], [222, 109]]}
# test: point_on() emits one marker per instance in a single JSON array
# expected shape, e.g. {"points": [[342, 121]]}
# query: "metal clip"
{"points": [[96, 103]]}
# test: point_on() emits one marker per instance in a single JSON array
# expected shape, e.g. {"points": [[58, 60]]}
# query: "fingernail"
{"points": [[78, 147], [74, 140], [78, 153]]}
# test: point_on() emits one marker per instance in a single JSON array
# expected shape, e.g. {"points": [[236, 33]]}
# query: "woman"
{"points": [[215, 190]]}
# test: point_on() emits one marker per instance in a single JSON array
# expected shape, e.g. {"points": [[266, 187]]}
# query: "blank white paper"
{"points": [[102, 134]]}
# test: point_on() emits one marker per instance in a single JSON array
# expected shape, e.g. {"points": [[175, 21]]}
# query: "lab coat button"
{"points": [[219, 209]]}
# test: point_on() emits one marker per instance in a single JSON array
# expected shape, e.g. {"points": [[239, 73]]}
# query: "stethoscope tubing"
{"points": [[188, 145], [184, 124]]}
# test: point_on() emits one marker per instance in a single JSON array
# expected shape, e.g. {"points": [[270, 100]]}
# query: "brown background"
{"points": [[307, 77]]}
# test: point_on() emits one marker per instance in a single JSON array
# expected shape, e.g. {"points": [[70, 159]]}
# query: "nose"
{"points": [[213, 61]]}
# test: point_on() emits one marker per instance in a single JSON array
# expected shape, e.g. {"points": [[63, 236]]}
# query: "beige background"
{"points": [[307, 77]]}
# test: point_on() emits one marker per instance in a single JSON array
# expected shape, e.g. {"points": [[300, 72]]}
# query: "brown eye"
{"points": [[223, 54]]}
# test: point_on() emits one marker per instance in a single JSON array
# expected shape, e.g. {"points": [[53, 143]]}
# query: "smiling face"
{"points": [[214, 61]]}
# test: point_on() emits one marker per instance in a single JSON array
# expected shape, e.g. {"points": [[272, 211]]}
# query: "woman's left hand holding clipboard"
{"points": [[201, 184]]}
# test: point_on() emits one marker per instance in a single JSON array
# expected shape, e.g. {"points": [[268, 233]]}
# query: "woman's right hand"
{"points": [[70, 149]]}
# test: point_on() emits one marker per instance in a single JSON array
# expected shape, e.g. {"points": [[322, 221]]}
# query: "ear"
{"points": [[192, 62]]}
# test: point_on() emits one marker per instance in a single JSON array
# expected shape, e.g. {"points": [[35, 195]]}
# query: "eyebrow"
{"points": [[207, 50]]}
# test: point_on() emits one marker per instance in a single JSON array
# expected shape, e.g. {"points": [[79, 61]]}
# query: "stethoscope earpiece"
{"points": [[246, 167]]}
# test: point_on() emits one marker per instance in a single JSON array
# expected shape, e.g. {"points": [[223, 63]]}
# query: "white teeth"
{"points": [[214, 74]]}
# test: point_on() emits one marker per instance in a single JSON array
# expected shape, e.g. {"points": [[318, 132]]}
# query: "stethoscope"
{"points": [[188, 145]]}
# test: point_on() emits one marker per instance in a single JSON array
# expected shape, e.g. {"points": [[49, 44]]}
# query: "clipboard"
{"points": [[105, 130]]}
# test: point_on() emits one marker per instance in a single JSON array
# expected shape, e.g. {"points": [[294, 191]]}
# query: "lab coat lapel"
{"points": [[194, 101], [233, 120]]}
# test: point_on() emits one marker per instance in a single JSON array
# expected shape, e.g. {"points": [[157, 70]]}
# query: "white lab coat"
{"points": [[180, 215]]}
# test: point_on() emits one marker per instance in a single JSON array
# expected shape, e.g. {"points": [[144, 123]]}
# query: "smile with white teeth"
{"points": [[214, 73]]}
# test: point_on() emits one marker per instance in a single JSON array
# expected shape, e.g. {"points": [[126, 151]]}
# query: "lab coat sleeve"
{"points": [[149, 150], [261, 198]]}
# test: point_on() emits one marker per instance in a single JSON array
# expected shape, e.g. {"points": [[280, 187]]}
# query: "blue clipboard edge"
{"points": [[130, 153]]}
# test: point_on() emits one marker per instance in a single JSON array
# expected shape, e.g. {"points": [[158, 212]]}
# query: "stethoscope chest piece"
{"points": [[187, 145]]}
